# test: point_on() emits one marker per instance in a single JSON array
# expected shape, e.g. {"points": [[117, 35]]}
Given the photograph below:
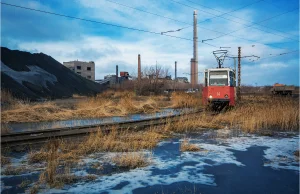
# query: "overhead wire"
{"points": [[192, 24], [280, 54], [228, 13], [220, 16], [256, 23], [94, 21], [223, 13], [109, 24]]}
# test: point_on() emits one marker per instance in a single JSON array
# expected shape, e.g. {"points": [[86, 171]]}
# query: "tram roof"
{"points": [[219, 69]]}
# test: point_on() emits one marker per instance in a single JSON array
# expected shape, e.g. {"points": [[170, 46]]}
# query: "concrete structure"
{"points": [[194, 60], [182, 79], [85, 69]]}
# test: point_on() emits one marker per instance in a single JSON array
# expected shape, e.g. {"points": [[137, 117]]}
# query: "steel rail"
{"points": [[37, 136]]}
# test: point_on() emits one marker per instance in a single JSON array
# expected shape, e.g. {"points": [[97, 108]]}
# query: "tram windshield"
{"points": [[218, 78]]}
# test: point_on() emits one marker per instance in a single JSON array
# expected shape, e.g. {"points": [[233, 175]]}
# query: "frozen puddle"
{"points": [[254, 164]]}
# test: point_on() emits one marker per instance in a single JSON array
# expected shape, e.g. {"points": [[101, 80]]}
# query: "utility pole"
{"points": [[194, 60], [139, 68], [138, 91], [239, 75], [175, 80]]}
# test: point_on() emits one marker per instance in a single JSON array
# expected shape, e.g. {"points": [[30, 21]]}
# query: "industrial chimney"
{"points": [[175, 70], [139, 68], [117, 73], [194, 60]]}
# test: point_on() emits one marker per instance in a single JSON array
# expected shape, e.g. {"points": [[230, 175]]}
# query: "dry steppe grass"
{"points": [[114, 141], [107, 104], [57, 153], [251, 116], [186, 100], [269, 113]]}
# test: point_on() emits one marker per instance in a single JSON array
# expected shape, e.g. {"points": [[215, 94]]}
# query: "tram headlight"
{"points": [[210, 96]]}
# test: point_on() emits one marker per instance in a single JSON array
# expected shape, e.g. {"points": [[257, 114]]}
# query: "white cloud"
{"points": [[122, 49]]}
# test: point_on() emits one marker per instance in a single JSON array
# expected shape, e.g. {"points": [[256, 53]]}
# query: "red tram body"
{"points": [[219, 87]]}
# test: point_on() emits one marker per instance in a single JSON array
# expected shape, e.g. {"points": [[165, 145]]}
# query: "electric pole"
{"points": [[239, 75]]}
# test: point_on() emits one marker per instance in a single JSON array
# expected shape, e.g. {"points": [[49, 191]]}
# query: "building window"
{"points": [[89, 77], [88, 68], [78, 67], [79, 73]]}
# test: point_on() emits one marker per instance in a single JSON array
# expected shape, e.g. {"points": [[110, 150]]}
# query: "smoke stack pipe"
{"points": [[139, 67], [175, 70], [117, 73], [194, 60]]}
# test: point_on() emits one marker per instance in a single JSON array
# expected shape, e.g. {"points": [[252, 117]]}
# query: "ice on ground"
{"points": [[169, 165]]}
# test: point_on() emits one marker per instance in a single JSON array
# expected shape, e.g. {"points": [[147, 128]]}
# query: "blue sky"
{"points": [[265, 28]]}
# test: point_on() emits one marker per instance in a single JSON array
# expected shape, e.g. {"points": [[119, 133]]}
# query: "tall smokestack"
{"points": [[139, 68], [117, 73], [194, 60], [195, 38], [175, 70]]}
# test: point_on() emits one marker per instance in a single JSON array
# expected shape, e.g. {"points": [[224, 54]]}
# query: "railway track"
{"points": [[40, 136]]}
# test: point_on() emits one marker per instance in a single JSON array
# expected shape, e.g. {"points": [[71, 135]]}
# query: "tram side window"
{"points": [[232, 80], [205, 81]]}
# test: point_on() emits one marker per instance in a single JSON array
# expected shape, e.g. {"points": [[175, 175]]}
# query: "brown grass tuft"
{"points": [[5, 160], [90, 177], [24, 183], [186, 146], [34, 189], [131, 160], [13, 170], [297, 153], [6, 97], [37, 156]]}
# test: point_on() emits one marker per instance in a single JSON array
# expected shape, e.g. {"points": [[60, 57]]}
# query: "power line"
{"points": [[280, 54], [228, 13], [147, 12], [93, 21], [191, 24], [257, 23], [225, 19]]}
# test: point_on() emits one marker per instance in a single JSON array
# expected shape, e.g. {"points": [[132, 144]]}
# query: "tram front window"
{"points": [[218, 78]]}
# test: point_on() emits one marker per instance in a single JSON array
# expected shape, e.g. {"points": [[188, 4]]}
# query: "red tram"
{"points": [[219, 87]]}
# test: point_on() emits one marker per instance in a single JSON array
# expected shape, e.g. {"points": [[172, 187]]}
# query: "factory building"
{"points": [[182, 80], [85, 69]]}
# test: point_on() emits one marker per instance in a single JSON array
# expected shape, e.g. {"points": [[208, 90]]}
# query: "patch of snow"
{"points": [[35, 76]]}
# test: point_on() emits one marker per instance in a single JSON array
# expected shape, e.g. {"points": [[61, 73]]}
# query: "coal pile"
{"points": [[39, 76]]}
